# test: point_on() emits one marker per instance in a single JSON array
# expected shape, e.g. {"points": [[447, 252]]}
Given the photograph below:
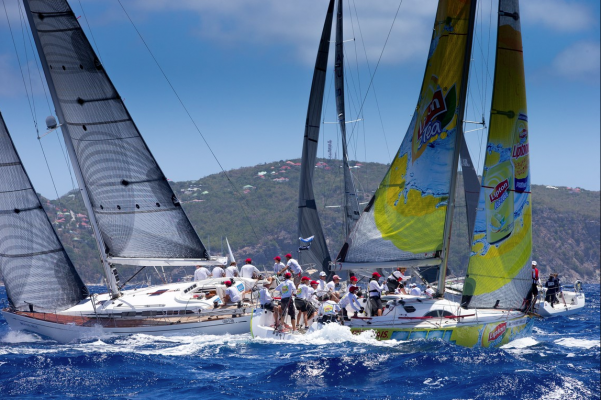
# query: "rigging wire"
{"points": [[369, 70], [193, 122], [29, 100], [46, 97]]}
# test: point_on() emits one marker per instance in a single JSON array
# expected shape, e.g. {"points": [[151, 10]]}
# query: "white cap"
{"points": [[322, 273], [534, 262]]}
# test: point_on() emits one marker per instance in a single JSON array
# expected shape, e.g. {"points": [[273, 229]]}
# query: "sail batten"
{"points": [[36, 269], [498, 273], [406, 217], [309, 223], [135, 209]]}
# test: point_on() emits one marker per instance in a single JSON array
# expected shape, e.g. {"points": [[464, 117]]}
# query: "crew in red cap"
{"points": [[287, 289], [375, 293], [350, 299], [232, 295], [249, 271], [278, 266], [303, 302], [294, 267], [354, 284]]}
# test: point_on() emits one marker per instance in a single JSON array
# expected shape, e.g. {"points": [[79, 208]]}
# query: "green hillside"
{"points": [[257, 210]]}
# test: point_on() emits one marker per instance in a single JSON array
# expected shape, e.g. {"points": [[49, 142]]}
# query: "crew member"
{"points": [[232, 270], [266, 301], [551, 291], [201, 273], [323, 290], [375, 294], [287, 288], [278, 266], [334, 295], [328, 311], [415, 291], [350, 299], [249, 271], [294, 268], [429, 291], [354, 283], [218, 272], [232, 295], [303, 301], [395, 281], [533, 293]]}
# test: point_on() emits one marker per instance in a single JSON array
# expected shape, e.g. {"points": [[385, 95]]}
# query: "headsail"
{"points": [[36, 269], [351, 205], [137, 212], [498, 273], [404, 221], [308, 217], [471, 186]]}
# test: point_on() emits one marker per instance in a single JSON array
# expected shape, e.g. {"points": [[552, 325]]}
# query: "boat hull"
{"points": [[65, 331], [570, 303], [473, 333]]}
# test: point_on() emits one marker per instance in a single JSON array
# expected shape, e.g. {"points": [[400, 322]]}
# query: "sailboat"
{"points": [[135, 216], [408, 222]]}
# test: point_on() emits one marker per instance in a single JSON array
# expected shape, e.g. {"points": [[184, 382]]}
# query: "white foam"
{"points": [[522, 343], [20, 337], [581, 343]]}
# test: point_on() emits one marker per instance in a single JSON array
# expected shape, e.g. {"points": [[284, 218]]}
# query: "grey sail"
{"points": [[37, 271], [136, 210], [351, 205], [471, 187], [308, 217]]}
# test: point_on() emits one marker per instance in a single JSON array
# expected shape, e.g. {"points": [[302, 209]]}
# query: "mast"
{"points": [[109, 271], [458, 144], [351, 206]]}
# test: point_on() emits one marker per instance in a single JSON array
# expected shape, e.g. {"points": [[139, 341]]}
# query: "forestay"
{"points": [[404, 221], [308, 217], [36, 270], [136, 210], [499, 269]]}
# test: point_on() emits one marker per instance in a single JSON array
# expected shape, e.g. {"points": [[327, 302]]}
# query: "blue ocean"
{"points": [[561, 360]]}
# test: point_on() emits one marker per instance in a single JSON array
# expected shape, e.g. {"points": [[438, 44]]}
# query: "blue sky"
{"points": [[243, 68]]}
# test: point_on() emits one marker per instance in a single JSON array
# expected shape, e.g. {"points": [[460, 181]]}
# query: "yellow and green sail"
{"points": [[405, 220], [498, 273]]}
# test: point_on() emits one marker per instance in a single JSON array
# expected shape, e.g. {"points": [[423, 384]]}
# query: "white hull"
{"points": [[65, 333], [188, 308], [570, 303]]}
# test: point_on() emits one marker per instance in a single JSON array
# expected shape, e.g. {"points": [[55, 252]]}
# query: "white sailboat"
{"points": [[135, 216], [570, 300]]}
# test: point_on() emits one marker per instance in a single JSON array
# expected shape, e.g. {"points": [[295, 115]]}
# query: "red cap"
{"points": [[314, 283], [277, 258], [248, 260], [335, 277], [288, 255], [375, 275], [227, 283], [353, 289], [305, 278], [288, 275], [354, 279]]}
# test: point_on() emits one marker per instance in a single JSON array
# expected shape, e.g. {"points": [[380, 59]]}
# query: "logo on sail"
{"points": [[497, 332], [499, 194], [428, 126]]}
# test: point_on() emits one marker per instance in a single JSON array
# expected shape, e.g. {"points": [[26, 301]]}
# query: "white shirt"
{"points": [[415, 291], [322, 287], [201, 273], [231, 271], [374, 287], [331, 286], [430, 292], [218, 272], [351, 299], [277, 267], [234, 294], [294, 266], [329, 307], [286, 288], [264, 296], [248, 270], [398, 275], [304, 292]]}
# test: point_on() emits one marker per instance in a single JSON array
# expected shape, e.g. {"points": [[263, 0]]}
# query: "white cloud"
{"points": [[559, 15], [298, 25], [580, 62]]}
